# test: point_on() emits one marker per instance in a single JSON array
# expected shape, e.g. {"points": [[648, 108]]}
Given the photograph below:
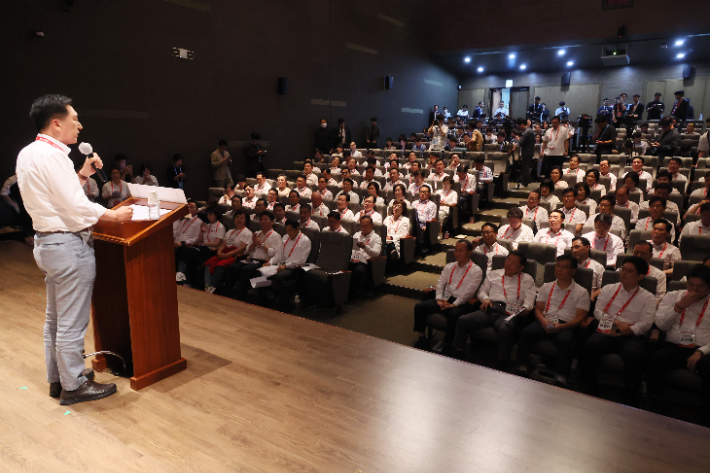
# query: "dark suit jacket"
{"points": [[337, 138], [432, 116], [638, 112], [254, 163], [171, 172], [681, 111], [324, 140], [372, 133], [669, 142], [654, 110]]}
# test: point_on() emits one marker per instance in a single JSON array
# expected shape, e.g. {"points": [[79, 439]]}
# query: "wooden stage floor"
{"points": [[270, 392]]}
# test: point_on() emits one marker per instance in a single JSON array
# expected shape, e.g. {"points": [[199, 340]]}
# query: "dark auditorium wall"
{"points": [[552, 21], [114, 58], [613, 80]]}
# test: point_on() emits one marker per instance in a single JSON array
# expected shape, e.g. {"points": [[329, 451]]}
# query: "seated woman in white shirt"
{"points": [[373, 189], [335, 165], [398, 227], [583, 197], [400, 193], [631, 181], [575, 169], [146, 178], [546, 193], [556, 178], [115, 191], [190, 265], [449, 198], [593, 182], [233, 247], [352, 167], [229, 192]]}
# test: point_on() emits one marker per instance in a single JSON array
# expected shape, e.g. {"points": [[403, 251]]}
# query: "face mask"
{"points": [[323, 125]]}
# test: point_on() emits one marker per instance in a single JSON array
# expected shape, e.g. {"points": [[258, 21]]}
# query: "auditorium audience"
{"points": [[601, 239], [398, 227], [367, 245], [572, 214], [261, 188], [488, 245], [145, 178], [249, 200], [554, 234], [115, 190], [533, 210], [342, 207], [233, 247], [334, 224], [606, 206], [192, 258], [656, 206], [425, 213], [581, 251]]}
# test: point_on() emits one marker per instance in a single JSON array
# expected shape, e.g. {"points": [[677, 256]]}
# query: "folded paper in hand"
{"points": [[268, 270], [261, 281]]}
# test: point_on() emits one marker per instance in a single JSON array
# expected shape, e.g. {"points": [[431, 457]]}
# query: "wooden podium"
{"points": [[134, 305]]}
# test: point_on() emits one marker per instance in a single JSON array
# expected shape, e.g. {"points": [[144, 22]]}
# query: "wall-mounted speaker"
{"points": [[389, 82], [283, 85], [566, 78], [688, 72]]}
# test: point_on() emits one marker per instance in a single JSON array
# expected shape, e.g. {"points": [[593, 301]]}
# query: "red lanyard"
{"points": [[549, 298], [50, 143], [267, 236], [447, 194], [611, 301], [547, 237], [535, 215], [294, 245], [648, 219], [192, 220], [589, 261], [462, 277], [212, 231], [485, 246], [120, 187], [505, 294], [239, 233], [505, 234], [663, 250], [606, 242], [398, 222], [702, 313], [557, 132], [700, 228], [570, 217]]}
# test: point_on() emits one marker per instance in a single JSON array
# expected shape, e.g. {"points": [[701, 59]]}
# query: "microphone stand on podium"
{"points": [[134, 306]]}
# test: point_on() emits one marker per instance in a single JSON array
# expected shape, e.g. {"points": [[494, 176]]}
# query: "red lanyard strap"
{"points": [[611, 301], [505, 293], [50, 143], [294, 245], [702, 313], [549, 298], [462, 277]]}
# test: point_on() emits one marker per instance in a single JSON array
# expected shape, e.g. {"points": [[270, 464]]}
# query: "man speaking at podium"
{"points": [[62, 216]]}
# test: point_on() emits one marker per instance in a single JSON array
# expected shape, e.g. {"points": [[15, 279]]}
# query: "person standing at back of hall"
{"points": [[221, 160], [63, 216], [254, 155], [372, 134]]}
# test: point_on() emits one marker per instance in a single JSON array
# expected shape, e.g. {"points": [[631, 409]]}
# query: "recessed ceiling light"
{"points": [[523, 66], [570, 63], [680, 42], [480, 69], [467, 59], [511, 56], [561, 52], [680, 55]]}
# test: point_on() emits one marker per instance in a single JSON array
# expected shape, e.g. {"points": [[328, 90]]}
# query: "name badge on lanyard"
{"points": [[552, 318], [606, 323], [686, 338]]}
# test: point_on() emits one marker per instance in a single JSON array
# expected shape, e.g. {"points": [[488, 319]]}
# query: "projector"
{"points": [[615, 56]]}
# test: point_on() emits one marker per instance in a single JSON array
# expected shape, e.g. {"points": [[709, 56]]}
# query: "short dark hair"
{"points": [[427, 187], [663, 186], [335, 215], [279, 204], [306, 206], [655, 199], [376, 184], [520, 255], [639, 263], [569, 190], [364, 217], [603, 218], [237, 196], [643, 161], [469, 245], [664, 173], [293, 223], [665, 121], [255, 135], [222, 143], [700, 271], [570, 258], [705, 207], [347, 197], [547, 183], [633, 176], [48, 107], [177, 157], [238, 212], [352, 183], [479, 159], [268, 213], [145, 166], [665, 222], [676, 159], [595, 172], [492, 225], [679, 92], [609, 198], [515, 212], [558, 211], [584, 241]]}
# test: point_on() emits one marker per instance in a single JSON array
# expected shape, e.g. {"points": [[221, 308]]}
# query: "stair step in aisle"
{"points": [[411, 285]]}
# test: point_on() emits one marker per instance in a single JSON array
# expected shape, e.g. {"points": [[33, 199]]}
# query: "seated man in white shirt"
{"points": [[417, 183], [261, 189], [258, 208], [290, 254], [574, 169], [622, 200], [453, 296], [348, 185], [306, 222], [392, 180], [580, 250], [319, 208], [342, 208], [606, 207], [656, 206], [533, 210], [249, 200], [398, 227], [186, 231], [279, 214], [468, 188], [302, 187], [233, 247], [438, 174], [560, 308], [624, 314], [515, 230], [643, 249], [699, 227], [293, 202], [664, 190], [637, 167], [352, 167], [503, 293], [368, 177], [665, 177], [314, 168], [368, 210], [674, 169], [425, 212], [367, 245], [570, 210], [602, 240], [661, 248], [328, 178], [236, 205], [605, 171], [687, 343], [411, 159], [555, 234], [488, 245], [282, 186], [334, 224], [703, 191]]}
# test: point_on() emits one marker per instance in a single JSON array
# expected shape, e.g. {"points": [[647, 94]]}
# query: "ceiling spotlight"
{"points": [[523, 66], [680, 55], [561, 52], [467, 59], [680, 42], [570, 63], [511, 56], [480, 69]]}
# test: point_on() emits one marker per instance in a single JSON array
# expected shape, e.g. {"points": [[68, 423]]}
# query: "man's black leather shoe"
{"points": [[89, 391], [55, 389]]}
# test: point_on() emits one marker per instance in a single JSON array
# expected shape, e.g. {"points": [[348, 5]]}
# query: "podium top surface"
{"points": [[129, 233]]}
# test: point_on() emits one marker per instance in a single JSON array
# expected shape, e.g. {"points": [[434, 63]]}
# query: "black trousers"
{"points": [[507, 332], [361, 277], [422, 233], [391, 252], [425, 308], [237, 279], [549, 162], [284, 283], [563, 340], [526, 165], [672, 357], [632, 349], [191, 261]]}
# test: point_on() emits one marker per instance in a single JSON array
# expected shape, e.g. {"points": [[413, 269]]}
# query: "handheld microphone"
{"points": [[86, 149]]}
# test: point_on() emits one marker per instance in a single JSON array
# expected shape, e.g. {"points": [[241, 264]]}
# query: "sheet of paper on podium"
{"points": [[165, 194], [140, 212]]}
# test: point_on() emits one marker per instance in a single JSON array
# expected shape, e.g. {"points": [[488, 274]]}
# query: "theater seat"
{"points": [[333, 276]]}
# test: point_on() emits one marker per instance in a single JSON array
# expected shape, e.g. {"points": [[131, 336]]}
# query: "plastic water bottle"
{"points": [[153, 206]]}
